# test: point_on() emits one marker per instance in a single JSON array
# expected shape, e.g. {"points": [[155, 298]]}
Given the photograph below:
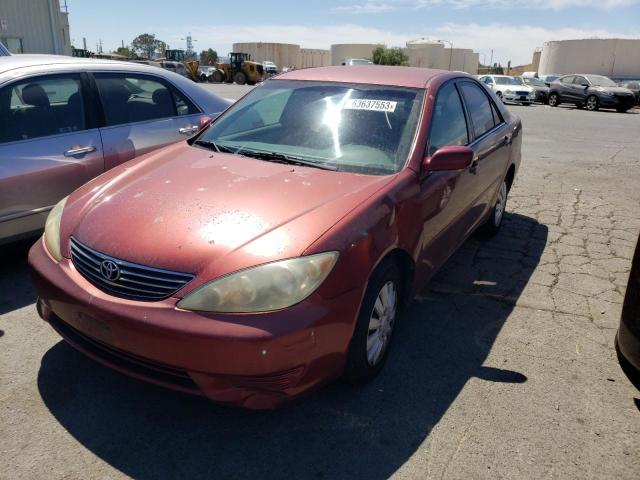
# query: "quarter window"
{"points": [[478, 107], [40, 107], [138, 98], [448, 124]]}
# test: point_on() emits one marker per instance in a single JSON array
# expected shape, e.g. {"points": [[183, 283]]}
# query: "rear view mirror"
{"points": [[449, 158]]}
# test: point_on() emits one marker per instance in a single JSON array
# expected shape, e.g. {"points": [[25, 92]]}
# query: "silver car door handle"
{"points": [[188, 130], [73, 151], [507, 139]]}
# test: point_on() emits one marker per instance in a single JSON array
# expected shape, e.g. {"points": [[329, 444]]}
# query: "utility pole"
{"points": [[491, 61]]}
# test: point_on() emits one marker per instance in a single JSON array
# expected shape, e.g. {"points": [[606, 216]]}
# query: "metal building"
{"points": [[343, 51], [282, 54], [314, 57], [34, 26], [614, 57]]}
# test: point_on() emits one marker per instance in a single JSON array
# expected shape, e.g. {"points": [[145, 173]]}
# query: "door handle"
{"points": [[507, 139], [73, 151], [188, 130]]}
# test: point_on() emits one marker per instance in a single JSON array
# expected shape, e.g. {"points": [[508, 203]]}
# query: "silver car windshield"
{"points": [[348, 127]]}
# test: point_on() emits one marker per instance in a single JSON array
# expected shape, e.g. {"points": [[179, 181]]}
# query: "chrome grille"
{"points": [[134, 281]]}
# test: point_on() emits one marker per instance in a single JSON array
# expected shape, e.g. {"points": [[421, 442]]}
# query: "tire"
{"points": [[203, 77], [217, 76], [240, 78], [554, 100], [375, 324], [492, 225], [499, 95], [592, 103], [579, 106], [251, 82], [526, 104], [622, 109]]}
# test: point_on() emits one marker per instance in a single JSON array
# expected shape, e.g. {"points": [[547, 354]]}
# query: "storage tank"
{"points": [[282, 54], [471, 62], [425, 53], [343, 51], [314, 57], [613, 57]]}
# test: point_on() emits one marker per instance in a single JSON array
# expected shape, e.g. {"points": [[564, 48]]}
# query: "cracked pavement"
{"points": [[503, 368]]}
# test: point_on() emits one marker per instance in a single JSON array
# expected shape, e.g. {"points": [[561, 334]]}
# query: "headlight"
{"points": [[267, 287], [508, 90], [606, 92], [52, 230]]}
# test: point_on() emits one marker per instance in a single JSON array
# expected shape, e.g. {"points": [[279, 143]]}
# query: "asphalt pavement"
{"points": [[503, 368]]}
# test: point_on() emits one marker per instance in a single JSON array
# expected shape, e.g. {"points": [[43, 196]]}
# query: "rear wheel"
{"points": [[499, 95], [376, 321], [592, 103], [217, 77], [203, 77], [554, 100], [240, 78], [493, 223], [526, 104]]}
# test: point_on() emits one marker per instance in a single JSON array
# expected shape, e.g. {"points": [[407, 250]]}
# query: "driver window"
{"points": [[448, 123]]}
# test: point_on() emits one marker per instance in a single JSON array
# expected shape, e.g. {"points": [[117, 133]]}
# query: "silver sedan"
{"points": [[66, 120]]}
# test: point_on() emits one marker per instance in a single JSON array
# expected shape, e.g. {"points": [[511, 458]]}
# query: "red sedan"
{"points": [[275, 250]]}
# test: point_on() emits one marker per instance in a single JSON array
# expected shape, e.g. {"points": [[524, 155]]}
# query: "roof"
{"points": [[20, 61], [410, 77]]}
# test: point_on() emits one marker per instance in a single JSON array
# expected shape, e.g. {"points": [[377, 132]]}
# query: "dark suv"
{"points": [[591, 92]]}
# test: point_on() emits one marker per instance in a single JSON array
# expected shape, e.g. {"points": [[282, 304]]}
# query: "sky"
{"points": [[511, 28]]}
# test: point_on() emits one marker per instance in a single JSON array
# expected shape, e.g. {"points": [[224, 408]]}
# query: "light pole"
{"points": [[450, 50]]}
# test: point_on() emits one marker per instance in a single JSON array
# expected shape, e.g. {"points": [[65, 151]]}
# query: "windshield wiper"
{"points": [[288, 159], [213, 146]]}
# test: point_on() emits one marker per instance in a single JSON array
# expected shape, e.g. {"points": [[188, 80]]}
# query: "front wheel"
{"points": [[526, 104], [492, 225], [621, 109], [592, 103], [374, 328], [240, 78], [500, 97], [554, 100]]}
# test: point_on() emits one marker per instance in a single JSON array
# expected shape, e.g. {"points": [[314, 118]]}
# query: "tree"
{"points": [[208, 57], [125, 52], [146, 45], [389, 56]]}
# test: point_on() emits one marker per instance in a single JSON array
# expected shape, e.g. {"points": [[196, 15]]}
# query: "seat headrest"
{"points": [[33, 94], [161, 96], [116, 92]]}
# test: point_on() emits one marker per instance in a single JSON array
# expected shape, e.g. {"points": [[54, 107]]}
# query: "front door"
{"points": [[47, 148], [141, 113]]}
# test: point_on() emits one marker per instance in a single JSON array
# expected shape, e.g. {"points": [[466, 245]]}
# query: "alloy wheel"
{"points": [[500, 204], [592, 103], [381, 322]]}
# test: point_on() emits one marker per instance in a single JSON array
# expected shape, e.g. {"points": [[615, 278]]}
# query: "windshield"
{"points": [[506, 81], [600, 81], [347, 127], [536, 82]]}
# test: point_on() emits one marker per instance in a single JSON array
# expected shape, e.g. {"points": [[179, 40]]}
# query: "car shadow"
{"points": [[16, 290], [339, 431]]}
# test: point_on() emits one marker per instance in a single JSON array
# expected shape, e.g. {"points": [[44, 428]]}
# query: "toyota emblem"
{"points": [[110, 270]]}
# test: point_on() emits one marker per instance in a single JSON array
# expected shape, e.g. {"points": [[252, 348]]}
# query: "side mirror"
{"points": [[448, 158], [204, 122], [585, 84]]}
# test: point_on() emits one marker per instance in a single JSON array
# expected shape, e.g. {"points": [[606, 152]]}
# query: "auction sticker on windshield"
{"points": [[369, 104]]}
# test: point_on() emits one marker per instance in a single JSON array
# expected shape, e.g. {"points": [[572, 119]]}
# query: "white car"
{"points": [[509, 89], [270, 68]]}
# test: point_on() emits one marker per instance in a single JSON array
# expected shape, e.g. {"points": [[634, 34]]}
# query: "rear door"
{"points": [[566, 90], [491, 142], [141, 113], [49, 146]]}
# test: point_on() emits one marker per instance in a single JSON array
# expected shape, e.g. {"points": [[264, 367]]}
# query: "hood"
{"points": [[188, 209]]}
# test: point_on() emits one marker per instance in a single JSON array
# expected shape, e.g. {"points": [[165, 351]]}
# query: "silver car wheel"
{"points": [[592, 102], [500, 204], [381, 322]]}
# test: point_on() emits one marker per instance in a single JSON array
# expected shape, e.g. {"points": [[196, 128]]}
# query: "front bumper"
{"points": [[254, 360], [617, 101], [515, 97]]}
